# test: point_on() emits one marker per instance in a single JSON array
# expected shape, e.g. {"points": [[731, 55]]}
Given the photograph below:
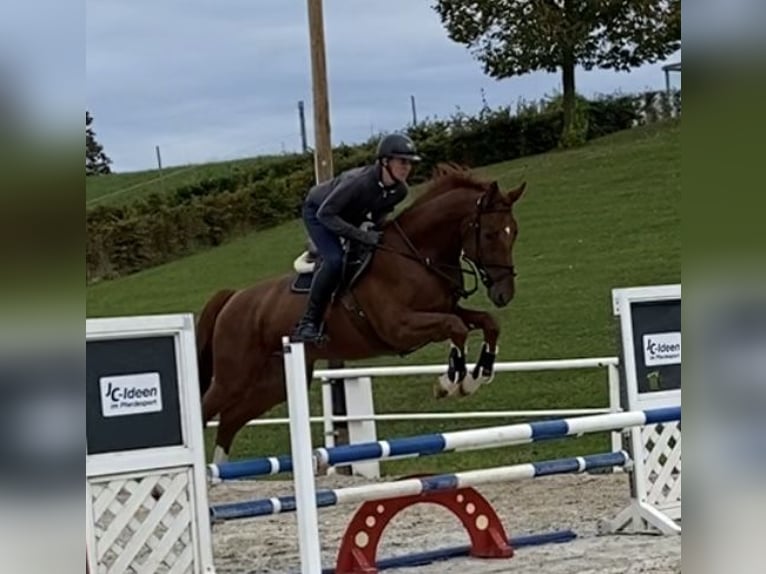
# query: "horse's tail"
{"points": [[205, 329]]}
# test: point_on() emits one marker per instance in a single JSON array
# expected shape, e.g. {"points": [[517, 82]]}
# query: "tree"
{"points": [[96, 161], [515, 37]]}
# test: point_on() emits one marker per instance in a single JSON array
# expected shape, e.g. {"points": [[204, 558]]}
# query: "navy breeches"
{"points": [[327, 243]]}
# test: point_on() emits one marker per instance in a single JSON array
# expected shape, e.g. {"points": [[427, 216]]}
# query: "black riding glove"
{"points": [[372, 238]]}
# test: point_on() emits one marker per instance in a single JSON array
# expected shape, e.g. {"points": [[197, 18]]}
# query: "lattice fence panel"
{"points": [[662, 459], [144, 525]]}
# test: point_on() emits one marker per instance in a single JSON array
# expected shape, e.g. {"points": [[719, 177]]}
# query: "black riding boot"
{"points": [[309, 327]]}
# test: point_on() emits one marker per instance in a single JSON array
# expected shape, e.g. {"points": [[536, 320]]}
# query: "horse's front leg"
{"points": [[414, 329], [451, 382], [483, 371]]}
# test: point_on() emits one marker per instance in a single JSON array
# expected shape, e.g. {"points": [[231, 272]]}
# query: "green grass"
{"points": [[603, 216]]}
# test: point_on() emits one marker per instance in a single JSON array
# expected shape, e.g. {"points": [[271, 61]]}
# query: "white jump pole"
{"points": [[302, 455]]}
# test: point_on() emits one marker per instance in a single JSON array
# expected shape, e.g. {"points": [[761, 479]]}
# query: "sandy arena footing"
{"points": [[268, 545]]}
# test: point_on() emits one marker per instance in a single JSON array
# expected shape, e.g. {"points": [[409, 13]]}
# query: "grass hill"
{"points": [[603, 216], [121, 188]]}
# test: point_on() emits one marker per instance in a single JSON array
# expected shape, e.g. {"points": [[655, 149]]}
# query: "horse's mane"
{"points": [[445, 177]]}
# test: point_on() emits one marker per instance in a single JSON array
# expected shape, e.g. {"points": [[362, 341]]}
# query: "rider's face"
{"points": [[400, 168]]}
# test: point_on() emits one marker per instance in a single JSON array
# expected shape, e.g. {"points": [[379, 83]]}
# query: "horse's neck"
{"points": [[435, 227]]}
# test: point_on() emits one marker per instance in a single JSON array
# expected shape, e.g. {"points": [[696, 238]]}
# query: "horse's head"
{"points": [[488, 239]]}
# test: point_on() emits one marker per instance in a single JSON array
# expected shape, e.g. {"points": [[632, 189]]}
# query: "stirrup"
{"points": [[319, 340], [300, 336]]}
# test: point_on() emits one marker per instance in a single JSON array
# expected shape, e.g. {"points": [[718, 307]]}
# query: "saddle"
{"points": [[355, 262]]}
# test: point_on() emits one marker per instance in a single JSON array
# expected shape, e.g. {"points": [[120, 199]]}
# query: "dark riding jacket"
{"points": [[346, 201]]}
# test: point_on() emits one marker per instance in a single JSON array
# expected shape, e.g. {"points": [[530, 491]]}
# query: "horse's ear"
{"points": [[492, 195], [515, 194]]}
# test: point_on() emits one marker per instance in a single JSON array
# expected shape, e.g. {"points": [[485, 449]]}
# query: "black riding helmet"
{"points": [[399, 146]]}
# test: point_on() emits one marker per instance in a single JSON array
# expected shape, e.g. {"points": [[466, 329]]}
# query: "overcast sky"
{"points": [[209, 80]]}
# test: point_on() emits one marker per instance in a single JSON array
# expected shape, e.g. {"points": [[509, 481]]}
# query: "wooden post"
{"points": [[322, 141], [323, 169]]}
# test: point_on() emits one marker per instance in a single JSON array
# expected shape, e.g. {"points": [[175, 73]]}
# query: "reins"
{"points": [[476, 269], [436, 267]]}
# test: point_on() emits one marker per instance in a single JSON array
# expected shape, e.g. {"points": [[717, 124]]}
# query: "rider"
{"points": [[336, 208]]}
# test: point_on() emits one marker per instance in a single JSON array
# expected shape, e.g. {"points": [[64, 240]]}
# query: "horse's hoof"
{"points": [[483, 377], [321, 469], [445, 387], [469, 385], [439, 393]]}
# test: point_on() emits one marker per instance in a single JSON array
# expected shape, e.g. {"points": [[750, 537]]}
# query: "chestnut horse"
{"points": [[408, 297]]}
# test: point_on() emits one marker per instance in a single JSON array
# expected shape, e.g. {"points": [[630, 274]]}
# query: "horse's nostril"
{"points": [[504, 298]]}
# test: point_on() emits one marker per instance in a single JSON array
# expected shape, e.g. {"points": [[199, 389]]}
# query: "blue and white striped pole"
{"points": [[451, 441], [416, 486]]}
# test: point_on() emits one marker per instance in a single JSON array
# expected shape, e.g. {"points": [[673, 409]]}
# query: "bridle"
{"points": [[482, 266], [476, 265]]}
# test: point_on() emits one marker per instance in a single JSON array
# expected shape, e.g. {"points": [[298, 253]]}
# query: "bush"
{"points": [[151, 232], [499, 135], [578, 133], [609, 114]]}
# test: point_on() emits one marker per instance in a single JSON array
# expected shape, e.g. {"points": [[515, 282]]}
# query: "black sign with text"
{"points": [[132, 397], [657, 345]]}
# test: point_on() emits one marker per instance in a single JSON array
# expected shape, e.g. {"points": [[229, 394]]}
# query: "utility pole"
{"points": [[322, 142], [324, 171], [414, 112], [159, 158], [302, 119]]}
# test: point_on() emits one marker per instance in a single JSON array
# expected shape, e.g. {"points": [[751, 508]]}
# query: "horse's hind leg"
{"points": [[230, 388], [217, 402], [212, 402], [232, 420], [264, 393]]}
